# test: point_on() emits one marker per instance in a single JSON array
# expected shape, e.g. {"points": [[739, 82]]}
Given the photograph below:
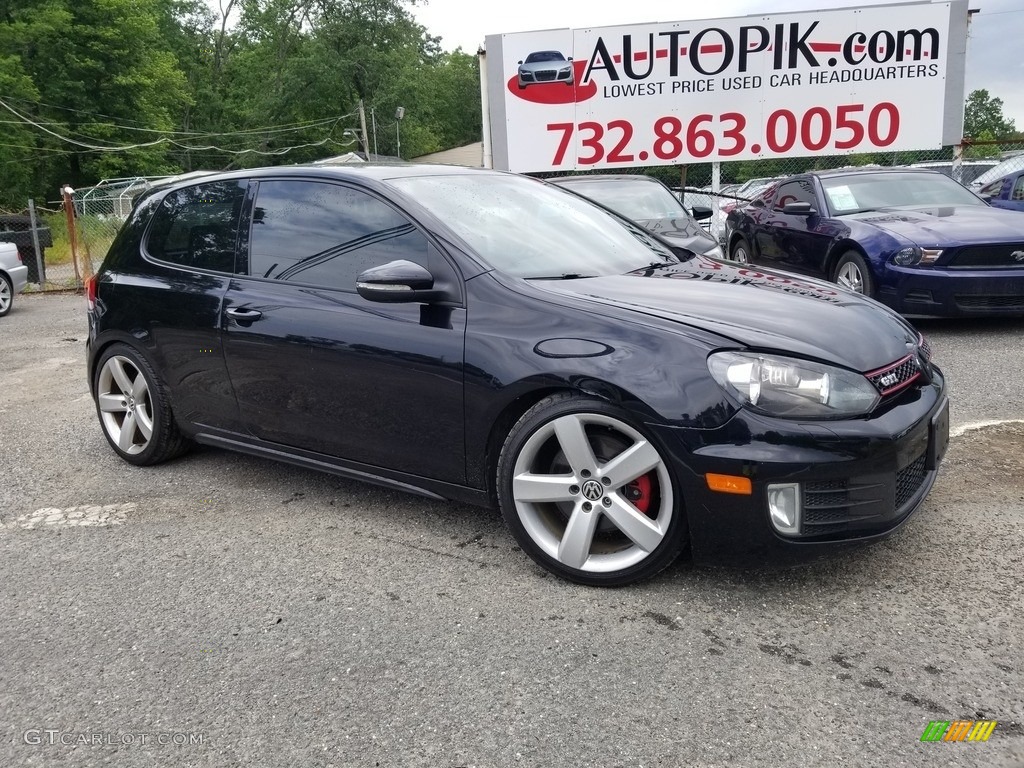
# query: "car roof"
{"points": [[862, 170], [374, 171], [603, 177]]}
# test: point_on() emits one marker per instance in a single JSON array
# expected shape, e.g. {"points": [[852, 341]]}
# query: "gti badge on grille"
{"points": [[1017, 255], [889, 379]]}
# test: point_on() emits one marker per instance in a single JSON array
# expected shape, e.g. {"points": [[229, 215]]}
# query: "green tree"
{"points": [[984, 114], [104, 78]]}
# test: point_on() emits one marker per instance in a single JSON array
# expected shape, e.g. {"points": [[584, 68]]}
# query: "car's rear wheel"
{"points": [[852, 273], [133, 408], [588, 495], [6, 295], [740, 251]]}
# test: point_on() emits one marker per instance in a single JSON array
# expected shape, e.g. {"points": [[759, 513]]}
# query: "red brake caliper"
{"points": [[639, 493]]}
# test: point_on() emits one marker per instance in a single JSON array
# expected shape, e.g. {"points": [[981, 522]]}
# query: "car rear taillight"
{"points": [[90, 292]]}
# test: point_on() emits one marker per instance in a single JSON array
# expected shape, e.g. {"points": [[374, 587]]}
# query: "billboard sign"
{"points": [[879, 78]]}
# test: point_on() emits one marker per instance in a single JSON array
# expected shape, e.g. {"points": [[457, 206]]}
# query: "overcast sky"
{"points": [[994, 51]]}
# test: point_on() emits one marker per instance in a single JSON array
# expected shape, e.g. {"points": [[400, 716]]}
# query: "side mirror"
{"points": [[520, 61], [701, 212], [799, 209], [569, 59], [397, 282]]}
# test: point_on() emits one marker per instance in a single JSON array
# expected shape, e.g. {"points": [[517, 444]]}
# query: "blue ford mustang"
{"points": [[1007, 192], [913, 239]]}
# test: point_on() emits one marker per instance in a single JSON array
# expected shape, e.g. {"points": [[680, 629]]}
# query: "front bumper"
{"points": [[953, 292], [859, 480]]}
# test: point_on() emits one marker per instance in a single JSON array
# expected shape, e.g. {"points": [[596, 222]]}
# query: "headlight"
{"points": [[781, 386], [912, 255], [715, 252], [565, 71]]}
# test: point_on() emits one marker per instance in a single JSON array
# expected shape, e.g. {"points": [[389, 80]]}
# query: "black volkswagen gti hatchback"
{"points": [[486, 337]]}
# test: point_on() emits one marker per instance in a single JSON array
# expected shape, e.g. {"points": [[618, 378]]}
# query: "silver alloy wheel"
{"points": [[849, 276], [584, 519], [739, 254], [5, 295], [125, 406]]}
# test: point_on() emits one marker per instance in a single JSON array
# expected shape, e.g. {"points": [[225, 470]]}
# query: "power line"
{"points": [[167, 140], [279, 128]]}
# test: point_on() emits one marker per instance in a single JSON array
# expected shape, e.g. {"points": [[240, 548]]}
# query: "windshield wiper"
{"points": [[563, 276]]}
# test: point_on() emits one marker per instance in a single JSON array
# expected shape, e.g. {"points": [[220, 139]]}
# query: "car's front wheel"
{"points": [[852, 273], [133, 408], [6, 295], [588, 495]]}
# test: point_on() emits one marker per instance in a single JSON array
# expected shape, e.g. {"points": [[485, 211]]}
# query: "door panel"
{"points": [[317, 367]]}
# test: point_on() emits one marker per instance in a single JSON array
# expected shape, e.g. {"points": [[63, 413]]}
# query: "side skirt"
{"points": [[419, 486]]}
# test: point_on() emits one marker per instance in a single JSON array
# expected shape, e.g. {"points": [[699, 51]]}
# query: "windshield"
{"points": [[526, 228], [632, 198], [873, 191], [540, 56]]}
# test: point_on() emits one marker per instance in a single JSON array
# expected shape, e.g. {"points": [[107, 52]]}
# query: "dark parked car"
{"points": [[650, 204], [487, 337], [1007, 192], [544, 67], [913, 239]]}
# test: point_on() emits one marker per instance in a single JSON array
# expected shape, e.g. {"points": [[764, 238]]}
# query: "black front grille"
{"points": [[987, 301], [908, 481], [546, 74], [925, 347], [988, 256], [860, 504], [895, 377], [830, 503]]}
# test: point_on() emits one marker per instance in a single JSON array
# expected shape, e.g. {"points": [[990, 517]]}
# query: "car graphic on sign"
{"points": [[545, 67]]}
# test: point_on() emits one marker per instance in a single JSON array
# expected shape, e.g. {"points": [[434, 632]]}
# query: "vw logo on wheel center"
{"points": [[593, 490]]}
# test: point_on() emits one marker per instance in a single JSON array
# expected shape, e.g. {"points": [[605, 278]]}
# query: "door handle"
{"points": [[240, 313]]}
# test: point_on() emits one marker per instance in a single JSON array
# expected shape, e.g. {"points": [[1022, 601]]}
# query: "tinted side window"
{"points": [[326, 234], [794, 192], [1018, 189], [198, 226]]}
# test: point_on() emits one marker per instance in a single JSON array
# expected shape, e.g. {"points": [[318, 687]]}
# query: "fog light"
{"points": [[784, 507]]}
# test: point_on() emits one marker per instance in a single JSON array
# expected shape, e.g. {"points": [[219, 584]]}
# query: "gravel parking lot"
{"points": [[222, 610]]}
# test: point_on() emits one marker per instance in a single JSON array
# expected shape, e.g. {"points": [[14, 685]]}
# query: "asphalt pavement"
{"points": [[222, 610]]}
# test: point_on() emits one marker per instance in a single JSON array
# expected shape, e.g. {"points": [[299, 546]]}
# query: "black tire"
{"points": [[131, 401], [850, 265], [6, 294], [739, 251], [569, 509]]}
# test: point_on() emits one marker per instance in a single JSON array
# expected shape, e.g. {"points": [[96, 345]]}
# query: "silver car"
{"points": [[545, 67], [13, 276]]}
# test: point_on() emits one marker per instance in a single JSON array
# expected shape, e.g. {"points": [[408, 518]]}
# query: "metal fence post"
{"points": [[957, 168], [34, 223]]}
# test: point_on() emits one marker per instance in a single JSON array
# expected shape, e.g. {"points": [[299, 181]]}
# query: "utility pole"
{"points": [[399, 114], [373, 121], [362, 123]]}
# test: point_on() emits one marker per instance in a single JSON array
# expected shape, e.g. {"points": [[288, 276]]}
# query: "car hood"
{"points": [[761, 309], [683, 232], [948, 225]]}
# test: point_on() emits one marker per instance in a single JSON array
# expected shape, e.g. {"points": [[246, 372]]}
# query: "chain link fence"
{"points": [[69, 256]]}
